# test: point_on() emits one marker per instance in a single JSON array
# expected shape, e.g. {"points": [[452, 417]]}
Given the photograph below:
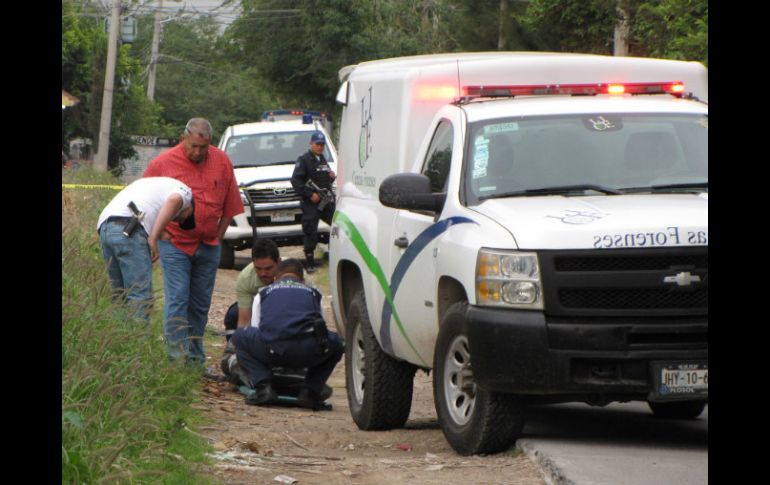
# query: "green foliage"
{"points": [[200, 74], [476, 25], [287, 53], [669, 29], [124, 405], [672, 29], [84, 56], [302, 51], [571, 25]]}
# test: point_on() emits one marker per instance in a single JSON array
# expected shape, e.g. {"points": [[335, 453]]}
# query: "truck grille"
{"points": [[263, 196], [638, 282], [262, 221]]}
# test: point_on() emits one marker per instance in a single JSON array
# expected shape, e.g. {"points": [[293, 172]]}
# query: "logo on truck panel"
{"points": [[402, 267], [366, 131]]}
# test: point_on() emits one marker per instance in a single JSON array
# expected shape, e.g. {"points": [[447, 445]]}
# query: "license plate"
{"points": [[282, 216], [679, 380]]}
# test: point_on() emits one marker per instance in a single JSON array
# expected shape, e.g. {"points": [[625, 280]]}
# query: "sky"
{"points": [[171, 8]]}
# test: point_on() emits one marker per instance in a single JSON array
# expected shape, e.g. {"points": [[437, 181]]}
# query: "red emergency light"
{"points": [[673, 88], [435, 92]]}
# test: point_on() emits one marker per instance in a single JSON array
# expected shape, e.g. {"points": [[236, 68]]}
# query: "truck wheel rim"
{"points": [[459, 388], [358, 361]]}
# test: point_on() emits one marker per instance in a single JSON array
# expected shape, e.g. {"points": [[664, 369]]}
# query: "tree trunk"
{"points": [[502, 40], [621, 31]]}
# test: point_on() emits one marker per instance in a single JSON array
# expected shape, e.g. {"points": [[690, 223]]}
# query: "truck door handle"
{"points": [[401, 242]]}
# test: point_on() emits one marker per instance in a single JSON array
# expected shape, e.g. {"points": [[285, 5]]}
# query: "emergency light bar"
{"points": [[674, 88], [293, 112]]}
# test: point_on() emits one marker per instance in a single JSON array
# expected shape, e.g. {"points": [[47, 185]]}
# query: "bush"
{"points": [[125, 407]]}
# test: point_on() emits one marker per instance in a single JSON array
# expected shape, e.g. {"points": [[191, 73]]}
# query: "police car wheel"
{"points": [[226, 256], [379, 387], [677, 409], [473, 420]]}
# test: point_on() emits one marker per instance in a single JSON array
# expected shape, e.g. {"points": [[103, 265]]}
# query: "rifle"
{"points": [[327, 196]]}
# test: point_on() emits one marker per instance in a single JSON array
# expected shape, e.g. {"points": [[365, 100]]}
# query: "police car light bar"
{"points": [[269, 114], [674, 88]]}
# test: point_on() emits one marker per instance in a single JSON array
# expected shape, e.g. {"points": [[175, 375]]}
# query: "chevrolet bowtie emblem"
{"points": [[684, 278]]}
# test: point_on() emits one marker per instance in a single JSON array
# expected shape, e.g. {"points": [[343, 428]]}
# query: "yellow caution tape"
{"points": [[92, 186]]}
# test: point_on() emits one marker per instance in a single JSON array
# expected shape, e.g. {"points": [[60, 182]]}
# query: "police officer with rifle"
{"points": [[312, 179]]}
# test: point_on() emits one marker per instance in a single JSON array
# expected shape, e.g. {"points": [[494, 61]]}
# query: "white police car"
{"points": [[263, 156]]}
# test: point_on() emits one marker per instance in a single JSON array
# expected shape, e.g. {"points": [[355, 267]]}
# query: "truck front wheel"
{"points": [[379, 387], [473, 420]]}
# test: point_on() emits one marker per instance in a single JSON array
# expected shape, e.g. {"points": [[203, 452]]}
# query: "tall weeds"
{"points": [[124, 405]]}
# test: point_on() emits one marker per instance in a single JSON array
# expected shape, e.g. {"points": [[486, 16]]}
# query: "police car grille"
{"points": [[262, 196], [626, 282]]}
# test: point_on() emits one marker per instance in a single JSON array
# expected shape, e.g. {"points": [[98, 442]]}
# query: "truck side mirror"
{"points": [[410, 191]]}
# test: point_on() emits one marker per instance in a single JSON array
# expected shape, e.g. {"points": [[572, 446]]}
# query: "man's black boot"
{"points": [[311, 400], [264, 395], [310, 263]]}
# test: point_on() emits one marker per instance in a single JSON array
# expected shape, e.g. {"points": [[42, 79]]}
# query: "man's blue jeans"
{"points": [[188, 283], [129, 266]]}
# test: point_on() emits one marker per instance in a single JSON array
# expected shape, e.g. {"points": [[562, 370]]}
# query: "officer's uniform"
{"points": [[314, 168], [285, 336]]}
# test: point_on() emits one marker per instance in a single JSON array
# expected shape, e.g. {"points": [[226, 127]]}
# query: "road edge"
{"points": [[552, 474]]}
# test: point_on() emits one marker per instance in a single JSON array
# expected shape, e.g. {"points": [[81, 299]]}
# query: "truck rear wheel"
{"points": [[379, 387], [677, 409], [227, 256], [473, 420]]}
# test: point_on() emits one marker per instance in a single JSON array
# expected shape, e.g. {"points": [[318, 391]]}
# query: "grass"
{"points": [[125, 407]]}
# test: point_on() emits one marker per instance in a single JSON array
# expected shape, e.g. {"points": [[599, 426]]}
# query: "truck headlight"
{"points": [[508, 278], [244, 199]]}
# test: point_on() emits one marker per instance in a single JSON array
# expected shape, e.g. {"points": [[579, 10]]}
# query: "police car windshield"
{"points": [[612, 153], [263, 149]]}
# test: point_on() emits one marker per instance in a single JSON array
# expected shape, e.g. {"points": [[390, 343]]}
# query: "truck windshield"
{"points": [[619, 153], [269, 148]]}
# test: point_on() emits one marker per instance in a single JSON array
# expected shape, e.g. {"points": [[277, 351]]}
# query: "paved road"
{"points": [[621, 444]]}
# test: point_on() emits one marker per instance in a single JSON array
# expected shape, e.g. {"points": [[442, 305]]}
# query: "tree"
{"points": [[299, 46], [672, 29], [571, 25], [201, 74], [84, 51]]}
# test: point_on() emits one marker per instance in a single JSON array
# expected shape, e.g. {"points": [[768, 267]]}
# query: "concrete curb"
{"points": [[551, 472]]}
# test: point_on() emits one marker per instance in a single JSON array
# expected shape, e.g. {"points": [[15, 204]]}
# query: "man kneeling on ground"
{"points": [[287, 330]]}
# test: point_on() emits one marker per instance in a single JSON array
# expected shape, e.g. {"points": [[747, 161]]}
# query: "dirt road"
{"points": [[291, 445]]}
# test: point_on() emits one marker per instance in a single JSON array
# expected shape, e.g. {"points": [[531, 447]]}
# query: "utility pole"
{"points": [[154, 54], [100, 162]]}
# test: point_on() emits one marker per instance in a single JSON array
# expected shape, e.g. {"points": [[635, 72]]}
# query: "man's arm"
{"points": [[224, 222], [170, 208], [244, 316], [246, 288], [256, 311], [299, 177]]}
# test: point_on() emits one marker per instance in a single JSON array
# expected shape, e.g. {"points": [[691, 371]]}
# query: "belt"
{"points": [[299, 336], [120, 219]]}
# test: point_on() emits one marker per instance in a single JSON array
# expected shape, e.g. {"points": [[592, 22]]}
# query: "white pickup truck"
{"points": [[263, 156], [530, 227]]}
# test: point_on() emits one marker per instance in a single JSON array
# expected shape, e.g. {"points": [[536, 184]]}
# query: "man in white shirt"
{"points": [[129, 229]]}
